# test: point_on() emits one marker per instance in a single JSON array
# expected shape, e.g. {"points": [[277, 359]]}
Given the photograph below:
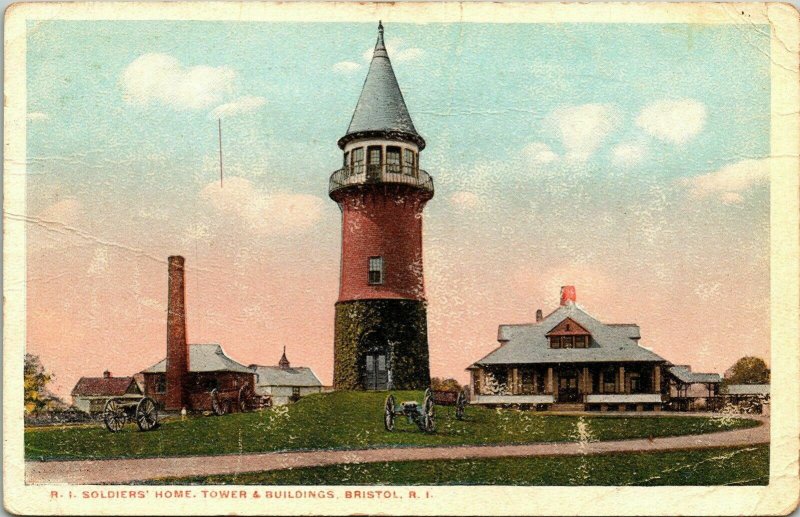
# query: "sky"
{"points": [[627, 160]]}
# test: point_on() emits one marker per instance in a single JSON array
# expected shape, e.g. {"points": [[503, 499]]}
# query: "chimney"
{"points": [[106, 374], [567, 294], [538, 315], [177, 348]]}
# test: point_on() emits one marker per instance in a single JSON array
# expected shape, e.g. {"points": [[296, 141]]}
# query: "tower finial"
{"points": [[379, 45], [284, 362]]}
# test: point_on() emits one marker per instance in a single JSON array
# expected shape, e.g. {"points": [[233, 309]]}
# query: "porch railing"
{"points": [[385, 173]]}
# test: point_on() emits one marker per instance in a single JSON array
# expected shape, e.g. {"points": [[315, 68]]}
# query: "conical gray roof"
{"points": [[381, 108]]}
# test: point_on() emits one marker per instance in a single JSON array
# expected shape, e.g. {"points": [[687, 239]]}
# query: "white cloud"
{"points": [[729, 182], [346, 67], [35, 116], [675, 121], [240, 106], [160, 78], [398, 51], [466, 201], [583, 128], [275, 213], [539, 153], [627, 155]]}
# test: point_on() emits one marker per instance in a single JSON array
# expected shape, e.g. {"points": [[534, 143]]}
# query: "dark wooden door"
{"points": [[376, 373], [568, 385]]}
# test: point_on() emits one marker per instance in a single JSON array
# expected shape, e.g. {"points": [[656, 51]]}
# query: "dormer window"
{"points": [[569, 334]]}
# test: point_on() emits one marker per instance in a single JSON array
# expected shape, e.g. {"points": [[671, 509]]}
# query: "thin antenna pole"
{"points": [[220, 151]]}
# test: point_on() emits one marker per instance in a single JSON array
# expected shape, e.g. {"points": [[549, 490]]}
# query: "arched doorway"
{"points": [[375, 361]]}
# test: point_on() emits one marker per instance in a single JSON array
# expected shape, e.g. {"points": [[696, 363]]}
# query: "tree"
{"points": [[749, 370], [37, 397], [439, 384]]}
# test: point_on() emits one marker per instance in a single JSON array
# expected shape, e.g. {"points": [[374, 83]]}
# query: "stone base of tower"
{"points": [[381, 344]]}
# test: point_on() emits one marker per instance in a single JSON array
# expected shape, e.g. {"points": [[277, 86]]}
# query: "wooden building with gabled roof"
{"points": [[569, 360]]}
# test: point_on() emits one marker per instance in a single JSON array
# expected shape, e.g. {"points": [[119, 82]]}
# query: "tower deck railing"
{"points": [[386, 173]]}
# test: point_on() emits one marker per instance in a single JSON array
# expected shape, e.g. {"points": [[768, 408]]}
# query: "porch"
{"points": [[603, 386]]}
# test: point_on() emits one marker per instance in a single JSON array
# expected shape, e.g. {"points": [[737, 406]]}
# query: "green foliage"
{"points": [[730, 466], [401, 322], [451, 385], [346, 420], [37, 397], [749, 370]]}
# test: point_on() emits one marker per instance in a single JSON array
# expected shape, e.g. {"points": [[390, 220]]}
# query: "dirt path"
{"points": [[127, 470]]}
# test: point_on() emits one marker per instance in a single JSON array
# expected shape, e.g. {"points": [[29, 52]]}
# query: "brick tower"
{"points": [[381, 329]]}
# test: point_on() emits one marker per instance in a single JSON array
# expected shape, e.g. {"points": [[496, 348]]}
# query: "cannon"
{"points": [[118, 412], [452, 398], [243, 399], [422, 415]]}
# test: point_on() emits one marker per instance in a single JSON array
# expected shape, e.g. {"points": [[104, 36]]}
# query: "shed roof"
{"points": [[528, 343], [104, 386], [277, 376], [204, 358], [685, 374], [381, 107], [747, 389]]}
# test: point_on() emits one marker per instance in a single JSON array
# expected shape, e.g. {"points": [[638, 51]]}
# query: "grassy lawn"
{"points": [[346, 420], [731, 466]]}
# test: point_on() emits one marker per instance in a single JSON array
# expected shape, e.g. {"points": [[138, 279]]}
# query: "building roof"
{"points": [[277, 376], [204, 358], [103, 386], [381, 108], [528, 343], [685, 374], [746, 389]]}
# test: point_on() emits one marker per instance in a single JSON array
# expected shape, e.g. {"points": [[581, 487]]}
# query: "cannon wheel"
{"points": [[146, 414], [461, 404], [114, 416], [388, 413], [245, 397], [428, 413], [218, 406]]}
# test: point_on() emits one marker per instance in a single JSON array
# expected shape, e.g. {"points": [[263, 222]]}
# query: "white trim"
{"points": [[622, 398], [513, 399]]}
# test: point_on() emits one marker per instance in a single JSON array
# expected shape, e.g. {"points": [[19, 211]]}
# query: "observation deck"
{"points": [[389, 174]]}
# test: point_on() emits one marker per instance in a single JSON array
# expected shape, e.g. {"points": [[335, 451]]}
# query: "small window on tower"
{"points": [[408, 162], [392, 159], [376, 270], [358, 160]]}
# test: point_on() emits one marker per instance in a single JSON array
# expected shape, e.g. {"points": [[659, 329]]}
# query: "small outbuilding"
{"points": [[285, 384], [690, 390], [90, 394]]}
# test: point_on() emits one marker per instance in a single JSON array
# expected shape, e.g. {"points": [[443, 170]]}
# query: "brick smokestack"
{"points": [[177, 348], [538, 315], [567, 294]]}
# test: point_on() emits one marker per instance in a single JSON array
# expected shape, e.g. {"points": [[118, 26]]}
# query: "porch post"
{"points": [[602, 380], [535, 374], [587, 381], [621, 384], [479, 382], [657, 378], [549, 379]]}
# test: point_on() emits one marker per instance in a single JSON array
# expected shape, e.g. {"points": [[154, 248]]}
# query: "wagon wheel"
{"points": [[146, 414], [461, 404], [218, 406], [388, 413], [245, 397], [114, 416], [428, 412]]}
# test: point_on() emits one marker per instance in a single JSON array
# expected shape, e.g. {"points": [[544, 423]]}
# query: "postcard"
{"points": [[401, 258]]}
